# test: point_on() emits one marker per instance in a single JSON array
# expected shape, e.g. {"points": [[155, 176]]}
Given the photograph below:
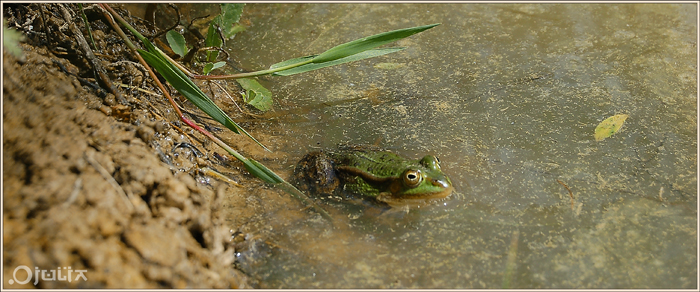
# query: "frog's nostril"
{"points": [[440, 183]]}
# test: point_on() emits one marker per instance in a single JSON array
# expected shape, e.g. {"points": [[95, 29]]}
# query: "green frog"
{"points": [[381, 176]]}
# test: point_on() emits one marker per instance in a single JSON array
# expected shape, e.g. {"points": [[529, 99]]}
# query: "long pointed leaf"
{"points": [[262, 171], [370, 42], [314, 66], [187, 88], [292, 61]]}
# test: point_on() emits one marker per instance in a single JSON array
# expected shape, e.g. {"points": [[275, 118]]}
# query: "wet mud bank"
{"points": [[95, 182]]}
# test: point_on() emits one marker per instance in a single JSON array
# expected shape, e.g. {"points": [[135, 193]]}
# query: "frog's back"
{"points": [[380, 163]]}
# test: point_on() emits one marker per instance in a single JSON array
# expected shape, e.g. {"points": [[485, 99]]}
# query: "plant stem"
{"points": [[119, 31], [251, 74], [123, 22], [87, 25]]}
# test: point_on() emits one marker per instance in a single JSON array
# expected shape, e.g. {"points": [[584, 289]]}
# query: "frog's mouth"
{"points": [[444, 185], [434, 195], [411, 200]]}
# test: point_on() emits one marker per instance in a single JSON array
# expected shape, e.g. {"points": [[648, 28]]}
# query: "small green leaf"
{"points": [[212, 40], [177, 43], [314, 66], [370, 42], [218, 65], [212, 66], [207, 68], [236, 28], [230, 14], [11, 39], [256, 95], [609, 126]]}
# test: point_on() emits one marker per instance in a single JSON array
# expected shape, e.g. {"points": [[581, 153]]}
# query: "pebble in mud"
{"points": [[110, 100], [146, 133], [161, 127]]}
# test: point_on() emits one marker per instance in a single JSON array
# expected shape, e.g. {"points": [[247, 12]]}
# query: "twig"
{"points": [[220, 176], [108, 177], [49, 35], [76, 190], [127, 86], [96, 65], [571, 194], [177, 12]]}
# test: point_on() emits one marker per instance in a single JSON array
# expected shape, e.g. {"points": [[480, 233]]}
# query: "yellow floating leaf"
{"points": [[609, 126]]}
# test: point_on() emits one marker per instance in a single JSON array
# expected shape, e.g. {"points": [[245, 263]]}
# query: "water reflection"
{"points": [[507, 95]]}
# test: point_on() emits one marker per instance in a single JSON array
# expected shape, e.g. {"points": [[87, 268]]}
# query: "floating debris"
{"points": [[609, 126]]}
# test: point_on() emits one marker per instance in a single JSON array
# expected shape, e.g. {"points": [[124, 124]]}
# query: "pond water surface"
{"points": [[508, 96]]}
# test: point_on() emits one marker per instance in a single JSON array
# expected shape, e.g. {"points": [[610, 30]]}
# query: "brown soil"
{"points": [[93, 181]]}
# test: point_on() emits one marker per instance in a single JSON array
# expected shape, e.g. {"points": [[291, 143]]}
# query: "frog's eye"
{"points": [[431, 162], [412, 178]]}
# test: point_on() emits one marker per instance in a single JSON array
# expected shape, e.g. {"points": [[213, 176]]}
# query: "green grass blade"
{"points": [[262, 171], [190, 91], [291, 61], [187, 88], [87, 25], [314, 66], [367, 43]]}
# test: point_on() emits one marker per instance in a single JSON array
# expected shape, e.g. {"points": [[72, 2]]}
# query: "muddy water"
{"points": [[508, 96]]}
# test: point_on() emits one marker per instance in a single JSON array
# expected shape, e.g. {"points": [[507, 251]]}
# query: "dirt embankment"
{"points": [[84, 188]]}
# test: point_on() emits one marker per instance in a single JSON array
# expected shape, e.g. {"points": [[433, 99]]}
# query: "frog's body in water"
{"points": [[381, 176]]}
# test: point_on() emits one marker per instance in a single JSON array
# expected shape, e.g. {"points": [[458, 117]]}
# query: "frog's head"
{"points": [[422, 181]]}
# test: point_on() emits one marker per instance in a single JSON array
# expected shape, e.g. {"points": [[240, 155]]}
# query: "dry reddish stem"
{"points": [[571, 194]]}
